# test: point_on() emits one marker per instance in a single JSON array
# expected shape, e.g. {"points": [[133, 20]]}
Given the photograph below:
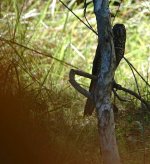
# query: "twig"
{"points": [[85, 7], [136, 71], [119, 87], [36, 51], [78, 17], [76, 85], [116, 94]]}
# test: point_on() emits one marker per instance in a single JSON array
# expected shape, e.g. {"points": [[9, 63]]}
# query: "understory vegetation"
{"points": [[41, 113]]}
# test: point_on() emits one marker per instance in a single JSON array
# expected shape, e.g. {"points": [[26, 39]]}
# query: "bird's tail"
{"points": [[89, 106]]}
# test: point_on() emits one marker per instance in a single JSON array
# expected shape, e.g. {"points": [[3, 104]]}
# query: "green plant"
{"points": [[33, 33]]}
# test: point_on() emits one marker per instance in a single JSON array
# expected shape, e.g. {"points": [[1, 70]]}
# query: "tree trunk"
{"points": [[102, 93]]}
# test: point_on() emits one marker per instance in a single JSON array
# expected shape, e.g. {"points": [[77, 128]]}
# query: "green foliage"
{"points": [[36, 85]]}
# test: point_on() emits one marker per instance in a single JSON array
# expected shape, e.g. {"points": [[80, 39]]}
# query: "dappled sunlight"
{"points": [[41, 114]]}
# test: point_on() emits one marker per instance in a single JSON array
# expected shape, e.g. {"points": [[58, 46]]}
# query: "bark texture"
{"points": [[103, 89]]}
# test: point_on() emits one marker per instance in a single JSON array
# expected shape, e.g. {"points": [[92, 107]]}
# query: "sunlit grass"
{"points": [[39, 83]]}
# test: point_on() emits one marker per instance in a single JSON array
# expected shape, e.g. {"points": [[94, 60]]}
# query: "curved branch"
{"points": [[76, 85]]}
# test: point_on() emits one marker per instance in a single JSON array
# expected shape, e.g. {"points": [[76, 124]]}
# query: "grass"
{"points": [[41, 114]]}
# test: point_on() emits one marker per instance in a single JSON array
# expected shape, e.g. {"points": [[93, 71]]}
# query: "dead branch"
{"points": [[115, 85]]}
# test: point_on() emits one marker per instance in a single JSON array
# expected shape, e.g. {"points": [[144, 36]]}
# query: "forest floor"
{"points": [[41, 115]]}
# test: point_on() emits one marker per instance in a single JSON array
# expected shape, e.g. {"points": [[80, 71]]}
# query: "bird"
{"points": [[119, 39]]}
